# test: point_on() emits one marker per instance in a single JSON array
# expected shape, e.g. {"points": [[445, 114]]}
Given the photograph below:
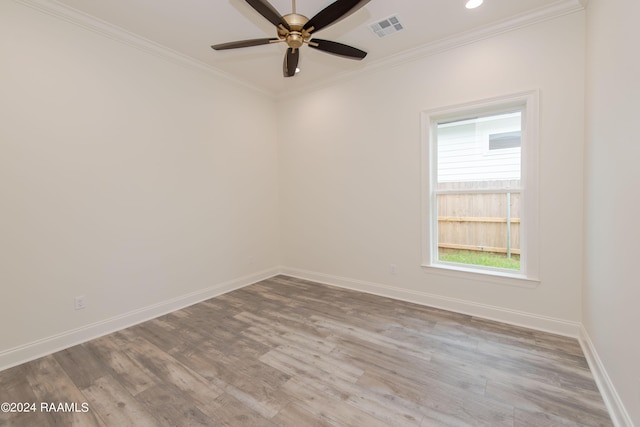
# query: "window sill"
{"points": [[490, 276]]}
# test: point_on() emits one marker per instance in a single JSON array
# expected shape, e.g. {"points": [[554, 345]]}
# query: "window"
{"points": [[480, 188], [501, 141]]}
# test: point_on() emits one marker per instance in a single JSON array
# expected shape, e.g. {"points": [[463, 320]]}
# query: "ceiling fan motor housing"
{"points": [[297, 36]]}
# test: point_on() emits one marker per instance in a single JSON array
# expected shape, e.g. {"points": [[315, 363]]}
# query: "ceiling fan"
{"points": [[296, 30]]}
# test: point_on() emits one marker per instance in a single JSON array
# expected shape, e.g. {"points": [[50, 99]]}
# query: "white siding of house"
{"points": [[464, 155]]}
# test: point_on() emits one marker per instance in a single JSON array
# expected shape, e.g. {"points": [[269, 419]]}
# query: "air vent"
{"points": [[387, 26]]}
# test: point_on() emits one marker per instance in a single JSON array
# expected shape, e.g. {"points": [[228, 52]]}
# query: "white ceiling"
{"points": [[190, 27]]}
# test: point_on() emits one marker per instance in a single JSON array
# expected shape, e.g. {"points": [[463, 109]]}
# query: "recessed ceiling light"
{"points": [[297, 70], [472, 4]]}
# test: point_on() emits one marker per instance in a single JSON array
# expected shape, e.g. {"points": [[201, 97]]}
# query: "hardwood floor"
{"points": [[287, 352]]}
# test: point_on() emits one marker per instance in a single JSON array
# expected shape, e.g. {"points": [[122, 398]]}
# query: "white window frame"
{"points": [[529, 269]]}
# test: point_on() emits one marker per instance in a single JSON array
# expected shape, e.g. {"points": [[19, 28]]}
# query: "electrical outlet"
{"points": [[393, 269], [79, 302]]}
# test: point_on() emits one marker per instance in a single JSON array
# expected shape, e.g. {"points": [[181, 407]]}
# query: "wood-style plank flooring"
{"points": [[287, 352]]}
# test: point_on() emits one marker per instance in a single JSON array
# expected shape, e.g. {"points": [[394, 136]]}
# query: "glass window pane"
{"points": [[468, 159], [480, 229], [505, 140]]}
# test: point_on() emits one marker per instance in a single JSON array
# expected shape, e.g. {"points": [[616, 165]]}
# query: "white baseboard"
{"points": [[617, 410], [500, 314], [24, 353], [18, 355]]}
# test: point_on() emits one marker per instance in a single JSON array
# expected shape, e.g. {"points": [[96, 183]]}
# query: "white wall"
{"points": [[138, 183], [350, 173], [612, 288], [125, 178]]}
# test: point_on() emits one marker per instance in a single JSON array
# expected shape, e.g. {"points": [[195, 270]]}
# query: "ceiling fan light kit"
{"points": [[297, 30]]}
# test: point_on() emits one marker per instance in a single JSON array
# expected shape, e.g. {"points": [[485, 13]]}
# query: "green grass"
{"points": [[486, 259]]}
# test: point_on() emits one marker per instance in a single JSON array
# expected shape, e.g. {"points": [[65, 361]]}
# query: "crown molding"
{"points": [[113, 32], [106, 29], [553, 11]]}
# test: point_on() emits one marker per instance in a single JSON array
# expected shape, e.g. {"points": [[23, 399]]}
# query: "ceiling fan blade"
{"points": [[242, 43], [333, 13], [264, 8], [339, 49], [290, 62]]}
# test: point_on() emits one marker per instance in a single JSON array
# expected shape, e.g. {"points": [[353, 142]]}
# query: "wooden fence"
{"points": [[479, 222]]}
